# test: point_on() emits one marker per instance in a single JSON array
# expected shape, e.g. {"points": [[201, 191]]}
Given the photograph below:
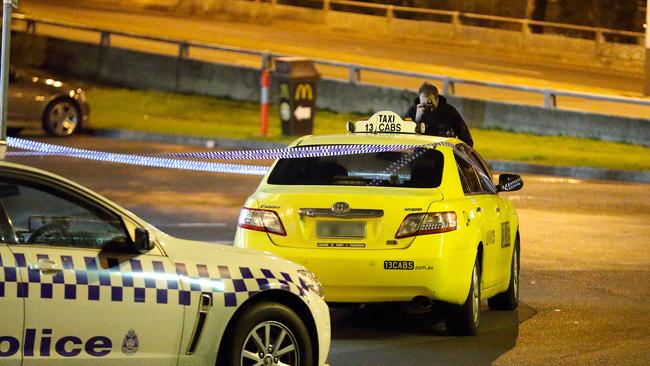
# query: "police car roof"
{"points": [[372, 139]]}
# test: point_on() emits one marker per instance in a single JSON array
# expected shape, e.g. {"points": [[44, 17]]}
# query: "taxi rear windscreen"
{"points": [[417, 168]]}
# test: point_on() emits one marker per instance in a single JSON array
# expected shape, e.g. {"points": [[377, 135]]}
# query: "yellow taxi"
{"points": [[404, 217]]}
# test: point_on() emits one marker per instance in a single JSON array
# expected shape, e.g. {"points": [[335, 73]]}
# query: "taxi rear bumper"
{"points": [[437, 266]]}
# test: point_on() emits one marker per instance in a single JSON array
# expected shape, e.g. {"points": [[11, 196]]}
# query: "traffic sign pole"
{"points": [[7, 7]]}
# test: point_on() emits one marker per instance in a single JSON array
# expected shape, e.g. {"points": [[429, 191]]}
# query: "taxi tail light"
{"points": [[261, 220], [427, 223]]}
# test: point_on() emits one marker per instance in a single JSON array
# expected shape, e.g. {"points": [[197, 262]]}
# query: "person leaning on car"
{"points": [[439, 117]]}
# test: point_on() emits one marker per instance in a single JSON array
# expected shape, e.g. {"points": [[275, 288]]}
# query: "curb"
{"points": [[571, 171], [498, 165]]}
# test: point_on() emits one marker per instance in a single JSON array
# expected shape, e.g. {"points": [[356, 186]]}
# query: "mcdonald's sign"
{"points": [[303, 92], [284, 91]]}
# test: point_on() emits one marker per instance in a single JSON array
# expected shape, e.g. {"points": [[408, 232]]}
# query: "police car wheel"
{"points": [[509, 300], [269, 334], [463, 320]]}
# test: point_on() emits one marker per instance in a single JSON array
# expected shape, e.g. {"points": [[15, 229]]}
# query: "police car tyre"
{"points": [[463, 320], [62, 117], [509, 300], [277, 328]]}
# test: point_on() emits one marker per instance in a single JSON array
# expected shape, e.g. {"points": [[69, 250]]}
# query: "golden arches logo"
{"points": [[304, 91]]}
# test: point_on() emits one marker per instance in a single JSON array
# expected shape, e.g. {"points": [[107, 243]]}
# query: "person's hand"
{"points": [[419, 112]]}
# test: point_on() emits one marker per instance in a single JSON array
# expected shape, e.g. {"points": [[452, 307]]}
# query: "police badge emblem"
{"points": [[130, 344]]}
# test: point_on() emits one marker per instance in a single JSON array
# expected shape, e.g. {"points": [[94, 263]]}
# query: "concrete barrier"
{"points": [[134, 69]]}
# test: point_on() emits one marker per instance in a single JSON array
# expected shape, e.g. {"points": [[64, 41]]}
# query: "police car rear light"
{"points": [[427, 223], [261, 220]]}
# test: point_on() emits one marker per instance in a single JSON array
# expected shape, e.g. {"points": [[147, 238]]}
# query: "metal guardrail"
{"points": [[354, 70], [456, 19]]}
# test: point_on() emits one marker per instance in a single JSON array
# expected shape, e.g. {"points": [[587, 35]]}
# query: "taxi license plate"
{"points": [[337, 229]]}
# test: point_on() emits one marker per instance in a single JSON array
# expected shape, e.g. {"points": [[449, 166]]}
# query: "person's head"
{"points": [[428, 94]]}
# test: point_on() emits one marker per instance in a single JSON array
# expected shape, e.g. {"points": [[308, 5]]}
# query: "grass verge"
{"points": [[193, 115]]}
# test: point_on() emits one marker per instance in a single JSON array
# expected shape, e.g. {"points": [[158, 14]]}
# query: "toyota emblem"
{"points": [[340, 208]]}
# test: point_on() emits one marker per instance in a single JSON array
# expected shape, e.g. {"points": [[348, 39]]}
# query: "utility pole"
{"points": [[7, 7], [646, 81]]}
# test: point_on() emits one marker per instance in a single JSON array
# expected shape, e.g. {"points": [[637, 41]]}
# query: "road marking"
{"points": [[504, 68], [247, 62], [194, 224]]}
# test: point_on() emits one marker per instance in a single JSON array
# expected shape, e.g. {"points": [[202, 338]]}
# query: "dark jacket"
{"points": [[442, 121]]}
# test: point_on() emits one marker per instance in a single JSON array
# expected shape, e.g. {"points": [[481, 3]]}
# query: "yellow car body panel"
{"points": [[438, 266]]}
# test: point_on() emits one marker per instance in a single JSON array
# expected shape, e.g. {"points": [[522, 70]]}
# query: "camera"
{"points": [[428, 105]]}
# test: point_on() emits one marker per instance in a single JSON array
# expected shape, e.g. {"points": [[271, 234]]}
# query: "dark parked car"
{"points": [[59, 108]]}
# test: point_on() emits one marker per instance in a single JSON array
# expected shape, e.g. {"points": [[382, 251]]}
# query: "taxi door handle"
{"points": [[498, 209], [478, 210], [45, 266]]}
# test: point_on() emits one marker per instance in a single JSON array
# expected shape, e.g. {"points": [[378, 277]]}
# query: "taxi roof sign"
{"points": [[385, 122]]}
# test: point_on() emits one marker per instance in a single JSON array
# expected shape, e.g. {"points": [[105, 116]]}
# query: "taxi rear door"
{"points": [[484, 216], [501, 216], [86, 302]]}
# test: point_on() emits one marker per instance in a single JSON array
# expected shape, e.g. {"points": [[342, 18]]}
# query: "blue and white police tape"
{"points": [[293, 153], [267, 154], [140, 160], [157, 160]]}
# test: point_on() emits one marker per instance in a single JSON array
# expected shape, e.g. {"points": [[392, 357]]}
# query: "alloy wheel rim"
{"points": [[269, 344], [63, 118]]}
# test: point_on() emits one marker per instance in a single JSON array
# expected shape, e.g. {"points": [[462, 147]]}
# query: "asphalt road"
{"points": [[478, 62], [585, 266]]}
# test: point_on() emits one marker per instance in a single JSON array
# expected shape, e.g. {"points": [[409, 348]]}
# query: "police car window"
{"points": [[41, 215], [6, 231], [419, 168], [468, 177]]}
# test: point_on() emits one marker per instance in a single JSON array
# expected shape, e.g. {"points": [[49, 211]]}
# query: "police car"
{"points": [[424, 222], [84, 281]]}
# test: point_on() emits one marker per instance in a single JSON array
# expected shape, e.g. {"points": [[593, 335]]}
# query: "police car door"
{"points": [[88, 299], [11, 301]]}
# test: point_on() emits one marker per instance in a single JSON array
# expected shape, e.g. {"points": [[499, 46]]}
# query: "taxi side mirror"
{"points": [[143, 242], [510, 183]]}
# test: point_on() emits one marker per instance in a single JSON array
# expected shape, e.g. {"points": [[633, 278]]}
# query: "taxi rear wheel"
{"points": [[269, 334], [463, 320], [509, 300]]}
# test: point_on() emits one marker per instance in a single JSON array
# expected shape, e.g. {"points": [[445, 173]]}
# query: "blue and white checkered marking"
{"points": [[133, 280]]}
